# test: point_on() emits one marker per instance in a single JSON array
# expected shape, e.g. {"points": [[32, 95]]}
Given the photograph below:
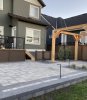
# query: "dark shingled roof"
{"points": [[42, 3], [76, 20], [50, 20], [41, 22], [72, 21]]}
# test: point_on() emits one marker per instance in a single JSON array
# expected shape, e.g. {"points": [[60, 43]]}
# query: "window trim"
{"points": [[31, 5], [1, 8], [33, 35]]}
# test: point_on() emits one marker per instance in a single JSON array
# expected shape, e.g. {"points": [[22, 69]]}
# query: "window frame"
{"points": [[1, 4], [33, 43], [38, 17]]}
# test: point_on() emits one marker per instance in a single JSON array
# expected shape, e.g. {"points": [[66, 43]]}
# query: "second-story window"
{"points": [[1, 4], [34, 11]]}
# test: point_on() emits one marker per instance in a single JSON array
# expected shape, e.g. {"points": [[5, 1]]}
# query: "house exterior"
{"points": [[57, 23], [21, 23]]}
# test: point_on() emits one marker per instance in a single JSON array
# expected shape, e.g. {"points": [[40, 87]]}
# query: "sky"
{"points": [[64, 8]]}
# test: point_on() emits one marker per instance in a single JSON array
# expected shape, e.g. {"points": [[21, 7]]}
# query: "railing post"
{"points": [[35, 55], [60, 70]]}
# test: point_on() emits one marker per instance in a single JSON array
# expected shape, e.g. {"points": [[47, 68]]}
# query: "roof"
{"points": [[72, 21], [76, 20], [29, 20], [50, 20], [42, 3]]}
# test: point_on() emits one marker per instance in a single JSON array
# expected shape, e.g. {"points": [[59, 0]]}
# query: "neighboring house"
{"points": [[22, 19], [57, 23]]}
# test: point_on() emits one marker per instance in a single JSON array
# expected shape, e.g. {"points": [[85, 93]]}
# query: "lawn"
{"points": [[74, 92]]}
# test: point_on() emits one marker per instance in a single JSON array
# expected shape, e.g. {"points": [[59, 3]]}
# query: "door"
{"points": [[14, 35]]}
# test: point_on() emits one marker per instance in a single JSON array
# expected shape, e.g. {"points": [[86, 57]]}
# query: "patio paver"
{"points": [[20, 77]]}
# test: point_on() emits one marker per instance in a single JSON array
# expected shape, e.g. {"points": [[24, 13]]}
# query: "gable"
{"points": [[36, 2]]}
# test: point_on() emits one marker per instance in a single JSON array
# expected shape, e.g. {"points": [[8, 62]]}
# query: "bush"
{"points": [[67, 53], [84, 67], [61, 53], [73, 66], [64, 53]]}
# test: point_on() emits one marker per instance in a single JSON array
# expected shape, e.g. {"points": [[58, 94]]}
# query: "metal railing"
{"points": [[10, 42]]}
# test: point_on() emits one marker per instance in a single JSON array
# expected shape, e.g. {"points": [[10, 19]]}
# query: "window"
{"points": [[63, 39], [83, 40], [14, 35], [32, 36], [1, 4], [34, 11], [14, 31], [1, 30], [1, 34]]}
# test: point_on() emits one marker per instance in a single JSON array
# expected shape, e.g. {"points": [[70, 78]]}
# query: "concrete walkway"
{"points": [[22, 77]]}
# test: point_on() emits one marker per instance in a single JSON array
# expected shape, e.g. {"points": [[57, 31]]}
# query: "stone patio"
{"points": [[16, 77]]}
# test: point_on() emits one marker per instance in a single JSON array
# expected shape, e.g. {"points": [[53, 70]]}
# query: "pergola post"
{"points": [[53, 49], [77, 38], [76, 50]]}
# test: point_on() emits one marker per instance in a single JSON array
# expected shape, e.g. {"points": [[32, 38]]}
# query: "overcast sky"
{"points": [[65, 8]]}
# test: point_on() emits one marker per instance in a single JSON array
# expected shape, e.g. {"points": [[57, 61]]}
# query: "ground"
{"points": [[74, 92], [13, 73], [19, 77]]}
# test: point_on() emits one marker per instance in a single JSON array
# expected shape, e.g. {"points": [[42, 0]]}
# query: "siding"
{"points": [[22, 31], [4, 18], [23, 10]]}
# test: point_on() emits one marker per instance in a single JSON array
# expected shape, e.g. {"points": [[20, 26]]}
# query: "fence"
{"points": [[46, 55], [10, 42]]}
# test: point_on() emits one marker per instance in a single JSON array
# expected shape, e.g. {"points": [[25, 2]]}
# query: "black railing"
{"points": [[10, 42]]}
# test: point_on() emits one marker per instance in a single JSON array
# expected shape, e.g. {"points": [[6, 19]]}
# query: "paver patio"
{"points": [[20, 75]]}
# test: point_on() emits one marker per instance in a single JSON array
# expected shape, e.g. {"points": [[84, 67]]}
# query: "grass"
{"points": [[75, 92]]}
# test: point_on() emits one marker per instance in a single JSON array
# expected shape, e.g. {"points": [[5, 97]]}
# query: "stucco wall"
{"points": [[22, 32], [4, 18], [34, 2], [22, 8]]}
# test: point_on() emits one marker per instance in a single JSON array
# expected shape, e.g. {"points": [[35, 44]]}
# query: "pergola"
{"points": [[66, 31]]}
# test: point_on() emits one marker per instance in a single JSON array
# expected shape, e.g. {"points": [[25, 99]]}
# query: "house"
{"points": [[57, 23], [21, 24]]}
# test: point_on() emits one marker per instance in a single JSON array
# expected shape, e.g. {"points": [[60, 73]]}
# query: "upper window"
{"points": [[1, 4], [34, 11], [32, 36]]}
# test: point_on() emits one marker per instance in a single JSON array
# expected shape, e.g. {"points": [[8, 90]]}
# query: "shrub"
{"points": [[61, 53], [67, 53], [84, 67], [73, 66], [64, 53]]}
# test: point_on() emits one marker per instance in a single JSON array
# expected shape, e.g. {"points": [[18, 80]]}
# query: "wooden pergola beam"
{"points": [[71, 28]]}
